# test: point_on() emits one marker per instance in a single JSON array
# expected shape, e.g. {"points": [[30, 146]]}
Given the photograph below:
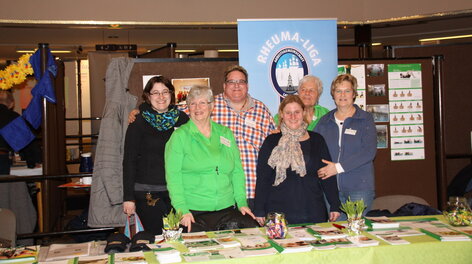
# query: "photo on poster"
{"points": [[406, 106], [379, 112], [376, 90], [406, 118], [182, 87], [406, 94], [382, 136], [375, 70]]}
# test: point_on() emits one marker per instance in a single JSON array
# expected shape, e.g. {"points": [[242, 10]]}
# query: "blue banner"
{"points": [[278, 53]]}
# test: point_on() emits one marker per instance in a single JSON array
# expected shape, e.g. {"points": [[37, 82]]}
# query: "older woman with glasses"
{"points": [[144, 184], [204, 174]]}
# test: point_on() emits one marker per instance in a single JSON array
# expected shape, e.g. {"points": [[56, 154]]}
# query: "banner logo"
{"points": [[287, 69]]}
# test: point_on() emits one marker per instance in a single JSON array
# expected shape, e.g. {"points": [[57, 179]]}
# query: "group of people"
{"points": [[226, 165]]}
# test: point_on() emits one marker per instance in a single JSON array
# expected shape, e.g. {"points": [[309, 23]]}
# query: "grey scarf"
{"points": [[288, 153]]}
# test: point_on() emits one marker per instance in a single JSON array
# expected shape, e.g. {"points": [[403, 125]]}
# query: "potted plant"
{"points": [[172, 230], [354, 210]]}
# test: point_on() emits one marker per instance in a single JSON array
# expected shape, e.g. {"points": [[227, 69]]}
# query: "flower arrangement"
{"points": [[16, 73], [353, 209], [172, 220], [172, 230]]}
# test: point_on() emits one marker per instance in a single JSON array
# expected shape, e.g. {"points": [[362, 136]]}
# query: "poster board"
{"points": [[410, 176], [211, 68]]}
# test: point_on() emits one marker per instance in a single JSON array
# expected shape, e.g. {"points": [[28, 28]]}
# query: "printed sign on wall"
{"points": [[278, 53]]}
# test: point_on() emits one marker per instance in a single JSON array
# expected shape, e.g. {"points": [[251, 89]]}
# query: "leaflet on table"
{"points": [[381, 222], [302, 233], [229, 253], [195, 236], [390, 237], [291, 245], [101, 259], [66, 251], [445, 234], [248, 232], [402, 232], [332, 243], [19, 254], [464, 229], [363, 241], [422, 223], [129, 257], [201, 245], [165, 253], [227, 242], [256, 246], [327, 232]]}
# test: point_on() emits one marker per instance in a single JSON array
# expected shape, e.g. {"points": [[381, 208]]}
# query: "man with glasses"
{"points": [[248, 118]]}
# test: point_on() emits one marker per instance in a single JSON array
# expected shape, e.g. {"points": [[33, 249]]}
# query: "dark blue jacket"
{"points": [[357, 151]]}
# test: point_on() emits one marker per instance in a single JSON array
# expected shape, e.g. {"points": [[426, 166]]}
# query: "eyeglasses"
{"points": [[164, 93], [201, 104], [234, 82], [348, 91]]}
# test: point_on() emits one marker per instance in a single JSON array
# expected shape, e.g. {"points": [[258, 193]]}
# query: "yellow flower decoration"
{"points": [[5, 82], [16, 73], [24, 64]]}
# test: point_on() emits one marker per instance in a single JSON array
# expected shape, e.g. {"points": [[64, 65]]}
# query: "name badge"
{"points": [[225, 141], [350, 132], [250, 122]]}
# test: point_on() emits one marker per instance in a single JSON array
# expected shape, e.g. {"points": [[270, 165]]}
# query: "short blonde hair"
{"points": [[199, 91], [341, 78]]}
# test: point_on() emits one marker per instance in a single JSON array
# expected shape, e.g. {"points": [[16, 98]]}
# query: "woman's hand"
{"points": [[260, 220], [328, 170], [187, 220], [333, 216], [129, 208], [132, 116], [245, 210]]}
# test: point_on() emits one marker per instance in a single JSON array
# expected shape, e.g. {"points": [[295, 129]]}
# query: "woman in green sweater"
{"points": [[204, 174]]}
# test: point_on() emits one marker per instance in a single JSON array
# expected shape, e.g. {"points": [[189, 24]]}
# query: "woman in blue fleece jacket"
{"points": [[351, 138]]}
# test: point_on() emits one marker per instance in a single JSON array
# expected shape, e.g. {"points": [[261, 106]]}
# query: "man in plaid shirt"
{"points": [[248, 118]]}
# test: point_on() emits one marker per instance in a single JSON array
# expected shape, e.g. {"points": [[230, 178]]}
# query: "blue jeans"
{"points": [[367, 196]]}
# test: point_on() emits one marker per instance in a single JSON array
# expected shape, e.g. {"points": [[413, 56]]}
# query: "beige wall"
{"points": [[219, 11]]}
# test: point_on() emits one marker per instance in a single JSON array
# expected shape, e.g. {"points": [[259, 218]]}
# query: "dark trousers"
{"points": [[229, 218], [151, 216]]}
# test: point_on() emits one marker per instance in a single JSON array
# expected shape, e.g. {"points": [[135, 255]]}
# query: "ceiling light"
{"points": [[228, 50], [186, 51], [52, 51], [445, 38], [376, 44]]}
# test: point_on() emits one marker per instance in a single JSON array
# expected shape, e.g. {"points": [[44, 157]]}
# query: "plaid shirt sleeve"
{"points": [[250, 128]]}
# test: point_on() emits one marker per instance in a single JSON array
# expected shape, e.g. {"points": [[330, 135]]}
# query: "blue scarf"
{"points": [[160, 121]]}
